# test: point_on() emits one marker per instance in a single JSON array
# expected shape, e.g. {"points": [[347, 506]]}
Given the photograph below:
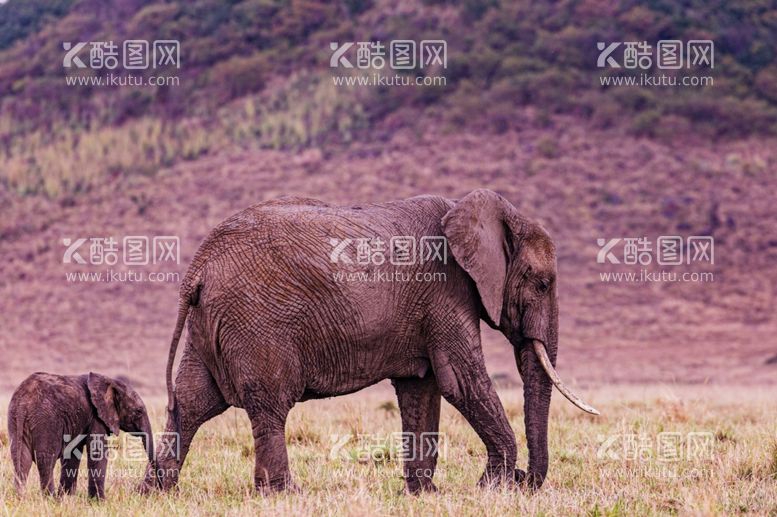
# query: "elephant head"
{"points": [[119, 407], [512, 261]]}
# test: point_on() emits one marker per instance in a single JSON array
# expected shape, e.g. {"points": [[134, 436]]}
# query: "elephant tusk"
{"points": [[542, 355]]}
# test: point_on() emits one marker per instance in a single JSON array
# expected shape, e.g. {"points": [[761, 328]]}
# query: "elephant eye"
{"points": [[543, 285]]}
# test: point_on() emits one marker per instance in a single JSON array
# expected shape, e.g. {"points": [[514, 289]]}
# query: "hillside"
{"points": [[255, 114], [591, 186], [255, 74]]}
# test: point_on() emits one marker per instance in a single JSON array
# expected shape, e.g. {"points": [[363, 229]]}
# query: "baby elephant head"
{"points": [[119, 407]]}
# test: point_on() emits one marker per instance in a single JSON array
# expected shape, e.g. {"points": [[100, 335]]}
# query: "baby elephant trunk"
{"points": [[147, 438]]}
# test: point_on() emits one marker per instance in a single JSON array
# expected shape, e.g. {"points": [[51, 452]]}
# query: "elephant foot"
{"points": [[65, 491], [497, 478], [528, 480], [281, 485], [163, 480], [150, 481], [419, 486], [97, 496], [145, 488]]}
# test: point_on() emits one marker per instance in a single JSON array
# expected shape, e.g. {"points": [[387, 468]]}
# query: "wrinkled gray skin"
{"points": [[45, 408], [269, 327]]}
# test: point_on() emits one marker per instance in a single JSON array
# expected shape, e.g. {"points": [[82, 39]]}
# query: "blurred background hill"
{"points": [[256, 74], [523, 112]]}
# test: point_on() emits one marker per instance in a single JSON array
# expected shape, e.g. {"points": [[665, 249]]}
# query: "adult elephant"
{"points": [[286, 303]]}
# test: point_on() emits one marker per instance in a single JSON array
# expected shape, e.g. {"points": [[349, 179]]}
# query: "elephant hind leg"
{"points": [[68, 477], [419, 407], [198, 399], [267, 412], [271, 470], [45, 462]]}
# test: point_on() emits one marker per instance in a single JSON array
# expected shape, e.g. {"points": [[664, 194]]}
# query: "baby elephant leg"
{"points": [[97, 462], [68, 478], [45, 462]]}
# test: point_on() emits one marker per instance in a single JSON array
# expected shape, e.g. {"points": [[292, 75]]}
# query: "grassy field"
{"points": [[617, 464]]}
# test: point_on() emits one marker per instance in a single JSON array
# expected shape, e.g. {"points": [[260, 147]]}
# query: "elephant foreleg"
{"points": [[464, 382], [197, 400], [419, 407], [97, 461]]}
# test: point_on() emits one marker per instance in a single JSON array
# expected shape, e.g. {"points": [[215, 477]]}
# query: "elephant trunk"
{"points": [[150, 480], [537, 389], [536, 363], [148, 438]]}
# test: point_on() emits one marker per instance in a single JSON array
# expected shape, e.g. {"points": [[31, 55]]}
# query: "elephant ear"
{"points": [[477, 235], [102, 392]]}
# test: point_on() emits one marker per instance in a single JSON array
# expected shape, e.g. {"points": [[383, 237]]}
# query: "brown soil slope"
{"points": [[582, 184]]}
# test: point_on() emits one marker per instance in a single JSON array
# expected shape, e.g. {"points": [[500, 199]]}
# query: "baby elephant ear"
{"points": [[477, 235], [102, 391]]}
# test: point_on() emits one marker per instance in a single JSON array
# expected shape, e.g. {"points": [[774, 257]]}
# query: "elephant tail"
{"points": [[21, 455], [186, 300]]}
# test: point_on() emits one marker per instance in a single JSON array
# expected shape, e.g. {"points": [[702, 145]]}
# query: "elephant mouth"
{"points": [[542, 356]]}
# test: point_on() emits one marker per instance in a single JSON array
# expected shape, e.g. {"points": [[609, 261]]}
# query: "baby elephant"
{"points": [[54, 417]]}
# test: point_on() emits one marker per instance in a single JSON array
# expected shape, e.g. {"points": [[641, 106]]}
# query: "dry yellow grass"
{"points": [[66, 160], [72, 161], [736, 477]]}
